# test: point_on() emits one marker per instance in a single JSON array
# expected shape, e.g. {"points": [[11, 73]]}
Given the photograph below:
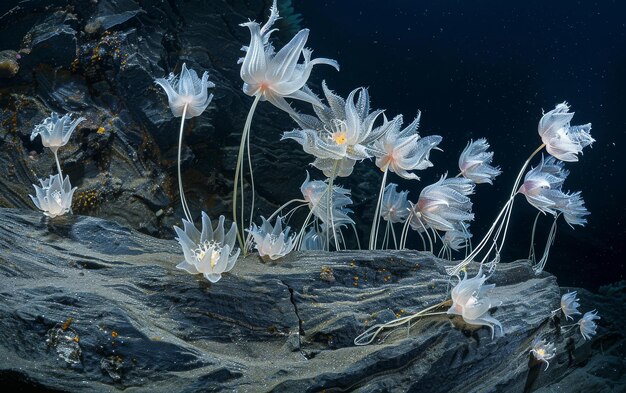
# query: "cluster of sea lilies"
{"points": [[341, 133]]}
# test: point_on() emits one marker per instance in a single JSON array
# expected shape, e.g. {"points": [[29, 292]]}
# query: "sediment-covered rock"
{"points": [[91, 305]]}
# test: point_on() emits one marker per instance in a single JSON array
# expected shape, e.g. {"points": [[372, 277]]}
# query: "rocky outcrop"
{"points": [[91, 305], [99, 59]]}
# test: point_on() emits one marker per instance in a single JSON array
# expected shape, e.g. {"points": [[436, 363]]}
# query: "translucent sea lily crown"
{"points": [[186, 92], [55, 131], [54, 197], [210, 252], [276, 76]]}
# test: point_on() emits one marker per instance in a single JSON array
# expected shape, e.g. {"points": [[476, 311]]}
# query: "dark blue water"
{"points": [[487, 69]]}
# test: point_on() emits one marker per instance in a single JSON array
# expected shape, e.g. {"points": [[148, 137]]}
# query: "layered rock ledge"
{"points": [[90, 305]]}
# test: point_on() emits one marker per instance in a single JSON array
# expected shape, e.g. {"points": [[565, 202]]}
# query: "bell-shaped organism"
{"points": [[587, 324], [475, 162], [277, 76], [563, 140], [54, 197], [55, 131], [341, 134], [187, 90], [313, 240], [569, 305], [402, 150], [270, 241], [457, 239], [542, 189], [543, 351], [210, 252], [470, 300], [395, 206], [315, 192], [444, 205]]}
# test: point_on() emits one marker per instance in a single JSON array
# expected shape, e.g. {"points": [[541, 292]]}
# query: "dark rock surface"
{"points": [[90, 305], [99, 59]]}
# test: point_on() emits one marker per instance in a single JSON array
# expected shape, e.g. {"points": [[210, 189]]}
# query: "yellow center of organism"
{"points": [[210, 248], [541, 352], [340, 137]]}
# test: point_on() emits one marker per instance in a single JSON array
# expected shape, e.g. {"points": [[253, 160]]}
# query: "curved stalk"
{"points": [[239, 177], [56, 158], [374, 230], [368, 336], [183, 200], [506, 213]]}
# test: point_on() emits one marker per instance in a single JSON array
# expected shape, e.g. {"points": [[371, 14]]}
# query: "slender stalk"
{"points": [[183, 200], [368, 336], [330, 208], [374, 230], [239, 176], [505, 212], [531, 253], [284, 206], [56, 158]]}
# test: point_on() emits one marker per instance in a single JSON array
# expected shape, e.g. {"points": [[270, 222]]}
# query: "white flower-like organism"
{"points": [[188, 97], [542, 189], [315, 192], [341, 134], [210, 252], [55, 131], [470, 300], [457, 238], [313, 240], [587, 325], [276, 76], [272, 242], [563, 140], [543, 351], [475, 162], [403, 150], [186, 92], [445, 204], [569, 305], [395, 206], [54, 197]]}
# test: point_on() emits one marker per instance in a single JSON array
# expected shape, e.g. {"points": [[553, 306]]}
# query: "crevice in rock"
{"points": [[301, 332]]}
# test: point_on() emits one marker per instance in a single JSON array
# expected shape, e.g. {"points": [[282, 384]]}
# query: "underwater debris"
{"points": [[66, 343]]}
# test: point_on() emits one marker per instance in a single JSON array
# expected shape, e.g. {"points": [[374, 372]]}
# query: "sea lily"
{"points": [[475, 162], [270, 241], [470, 300], [543, 351], [276, 76], [569, 305], [444, 205], [210, 252], [315, 192], [402, 150], [542, 189], [587, 325], [562, 140], [395, 206], [457, 238], [188, 97], [54, 197], [341, 134], [186, 93], [55, 131]]}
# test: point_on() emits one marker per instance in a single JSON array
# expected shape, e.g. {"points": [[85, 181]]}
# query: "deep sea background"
{"points": [[488, 69]]}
